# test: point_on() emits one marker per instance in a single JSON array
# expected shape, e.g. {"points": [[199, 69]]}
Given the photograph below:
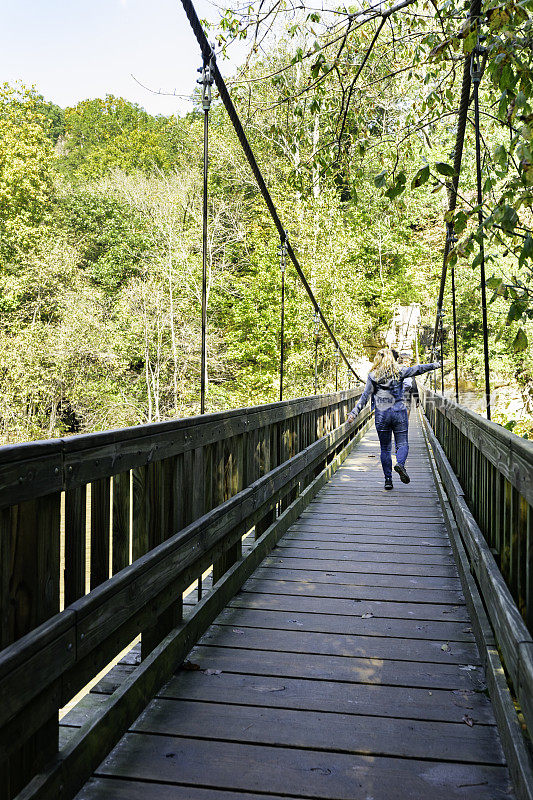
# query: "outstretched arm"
{"points": [[419, 369], [414, 392], [363, 400]]}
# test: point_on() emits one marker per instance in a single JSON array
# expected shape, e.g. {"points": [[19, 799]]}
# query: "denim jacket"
{"points": [[388, 392]]}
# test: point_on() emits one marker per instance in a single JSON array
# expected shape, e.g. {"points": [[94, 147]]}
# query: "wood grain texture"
{"points": [[346, 667]]}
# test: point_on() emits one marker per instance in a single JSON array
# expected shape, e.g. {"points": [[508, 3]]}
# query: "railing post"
{"points": [[29, 550]]}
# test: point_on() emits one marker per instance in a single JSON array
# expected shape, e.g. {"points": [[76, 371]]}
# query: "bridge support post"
{"points": [[206, 81]]}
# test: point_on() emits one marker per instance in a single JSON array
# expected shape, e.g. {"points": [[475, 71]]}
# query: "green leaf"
{"points": [[500, 155], [460, 222], [515, 312], [520, 342], [527, 251], [445, 169], [421, 177], [381, 180]]}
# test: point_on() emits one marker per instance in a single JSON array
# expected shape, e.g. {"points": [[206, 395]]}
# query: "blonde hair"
{"points": [[385, 365]]}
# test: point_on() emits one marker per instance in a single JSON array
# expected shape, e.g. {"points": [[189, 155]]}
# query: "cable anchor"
{"points": [[476, 69], [451, 238], [207, 80]]}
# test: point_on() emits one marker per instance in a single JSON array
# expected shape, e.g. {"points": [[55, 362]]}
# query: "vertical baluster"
{"points": [[158, 513], [529, 569], [266, 466], [139, 522], [30, 535], [121, 521], [521, 555], [75, 543], [100, 519]]}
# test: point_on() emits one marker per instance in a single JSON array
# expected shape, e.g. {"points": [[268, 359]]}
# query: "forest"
{"points": [[352, 118]]}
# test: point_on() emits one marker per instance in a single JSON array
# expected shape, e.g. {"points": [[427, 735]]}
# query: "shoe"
{"points": [[402, 472], [388, 483]]}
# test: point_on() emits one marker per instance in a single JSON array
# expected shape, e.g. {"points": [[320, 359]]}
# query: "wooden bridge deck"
{"points": [[345, 668]]}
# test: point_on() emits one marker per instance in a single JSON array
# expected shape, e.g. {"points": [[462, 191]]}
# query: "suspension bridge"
{"points": [[230, 607]]}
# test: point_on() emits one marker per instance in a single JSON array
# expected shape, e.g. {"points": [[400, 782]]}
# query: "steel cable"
{"points": [[207, 55]]}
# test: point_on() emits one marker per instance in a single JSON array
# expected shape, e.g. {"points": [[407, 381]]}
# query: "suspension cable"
{"points": [[476, 79], [208, 55], [453, 239], [474, 13], [282, 266]]}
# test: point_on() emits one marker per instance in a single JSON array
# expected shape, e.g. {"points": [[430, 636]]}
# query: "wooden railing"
{"points": [[123, 522], [488, 475]]}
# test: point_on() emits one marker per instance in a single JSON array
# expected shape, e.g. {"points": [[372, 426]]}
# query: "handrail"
{"points": [[177, 497], [488, 475]]}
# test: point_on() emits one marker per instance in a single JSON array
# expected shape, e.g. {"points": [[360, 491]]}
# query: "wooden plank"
{"points": [[31, 544], [300, 641], [322, 731], [75, 543], [346, 669], [418, 530], [29, 470], [267, 583], [319, 554], [332, 696], [139, 518], [295, 771], [378, 568], [121, 521], [282, 572], [361, 625], [93, 456], [361, 543], [349, 606], [33, 536], [113, 789], [100, 531]]}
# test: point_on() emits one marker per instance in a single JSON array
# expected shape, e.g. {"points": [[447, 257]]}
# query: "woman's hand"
{"points": [[350, 418]]}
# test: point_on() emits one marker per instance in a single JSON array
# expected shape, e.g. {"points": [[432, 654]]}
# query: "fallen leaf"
{"points": [[190, 666], [445, 647], [238, 630], [212, 671], [269, 688], [367, 615], [468, 721], [467, 630]]}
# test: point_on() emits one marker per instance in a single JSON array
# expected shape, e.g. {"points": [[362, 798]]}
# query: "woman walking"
{"points": [[385, 385]]}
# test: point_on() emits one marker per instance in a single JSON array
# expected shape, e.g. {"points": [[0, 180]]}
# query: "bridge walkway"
{"points": [[345, 668]]}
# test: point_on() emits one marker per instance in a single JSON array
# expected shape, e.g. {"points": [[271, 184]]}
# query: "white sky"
{"points": [[73, 49]]}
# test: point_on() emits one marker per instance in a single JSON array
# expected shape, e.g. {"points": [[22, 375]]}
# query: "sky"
{"points": [[72, 50]]}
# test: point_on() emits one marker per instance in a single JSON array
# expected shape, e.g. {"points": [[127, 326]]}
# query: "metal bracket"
{"points": [[451, 238], [475, 63], [207, 80]]}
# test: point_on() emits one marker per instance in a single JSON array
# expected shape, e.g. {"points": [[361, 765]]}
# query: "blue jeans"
{"points": [[388, 422]]}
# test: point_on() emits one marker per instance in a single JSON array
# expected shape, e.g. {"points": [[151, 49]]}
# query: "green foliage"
{"points": [[111, 238], [100, 290], [102, 135], [26, 170]]}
